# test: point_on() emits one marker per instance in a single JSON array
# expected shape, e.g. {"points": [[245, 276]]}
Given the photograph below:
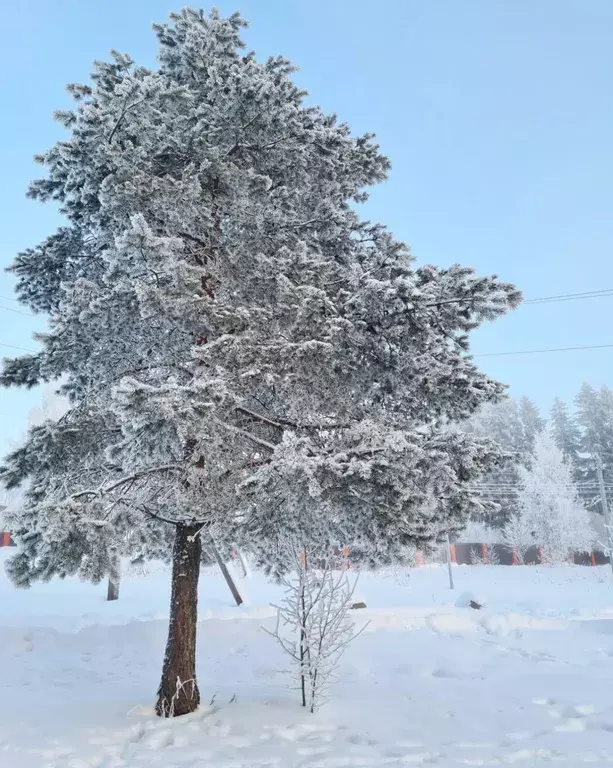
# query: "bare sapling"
{"points": [[313, 625]]}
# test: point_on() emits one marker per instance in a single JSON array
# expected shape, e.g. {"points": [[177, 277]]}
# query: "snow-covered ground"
{"points": [[526, 681]]}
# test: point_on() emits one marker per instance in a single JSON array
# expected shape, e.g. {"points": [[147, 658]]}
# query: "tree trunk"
{"points": [[178, 693], [304, 640], [112, 590]]}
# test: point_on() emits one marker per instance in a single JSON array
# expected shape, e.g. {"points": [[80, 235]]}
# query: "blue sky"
{"points": [[497, 116]]}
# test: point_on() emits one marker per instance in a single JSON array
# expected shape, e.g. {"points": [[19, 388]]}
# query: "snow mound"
{"points": [[469, 600]]}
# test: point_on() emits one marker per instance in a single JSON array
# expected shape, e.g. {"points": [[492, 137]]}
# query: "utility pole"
{"points": [[605, 507], [449, 563]]}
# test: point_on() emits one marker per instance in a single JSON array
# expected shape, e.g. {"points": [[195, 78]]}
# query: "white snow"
{"points": [[525, 681], [466, 598]]}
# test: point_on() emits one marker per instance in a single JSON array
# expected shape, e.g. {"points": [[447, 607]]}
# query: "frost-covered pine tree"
{"points": [[532, 423], [244, 356], [500, 423], [51, 409], [565, 432], [513, 425], [594, 416], [549, 506]]}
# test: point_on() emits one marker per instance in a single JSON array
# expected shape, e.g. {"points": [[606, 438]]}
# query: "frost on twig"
{"points": [[184, 688], [485, 555], [313, 624]]}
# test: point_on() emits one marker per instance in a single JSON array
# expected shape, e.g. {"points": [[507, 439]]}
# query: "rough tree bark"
{"points": [[112, 590], [178, 693]]}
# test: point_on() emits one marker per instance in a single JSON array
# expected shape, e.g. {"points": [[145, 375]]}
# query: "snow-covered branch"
{"points": [[105, 490]]}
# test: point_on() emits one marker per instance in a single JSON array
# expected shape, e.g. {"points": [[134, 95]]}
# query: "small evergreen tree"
{"points": [[244, 357]]}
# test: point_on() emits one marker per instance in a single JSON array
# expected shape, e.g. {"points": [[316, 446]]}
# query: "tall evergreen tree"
{"points": [[513, 425], [595, 421], [589, 417], [606, 441], [532, 424], [567, 436], [500, 422], [243, 355]]}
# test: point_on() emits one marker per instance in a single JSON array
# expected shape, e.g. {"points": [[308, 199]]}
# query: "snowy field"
{"points": [[527, 681]]}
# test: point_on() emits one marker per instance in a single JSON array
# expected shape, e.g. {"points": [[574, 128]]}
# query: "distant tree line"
{"points": [[581, 430]]}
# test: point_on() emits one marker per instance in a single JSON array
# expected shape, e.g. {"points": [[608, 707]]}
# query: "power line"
{"points": [[602, 293], [514, 486], [508, 488], [13, 346], [16, 311], [605, 292], [493, 492], [544, 351], [482, 354]]}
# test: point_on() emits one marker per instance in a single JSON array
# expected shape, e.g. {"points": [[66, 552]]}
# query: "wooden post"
{"points": [[226, 574], [345, 553], [450, 559]]}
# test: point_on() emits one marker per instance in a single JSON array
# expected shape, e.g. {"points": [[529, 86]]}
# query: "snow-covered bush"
{"points": [[478, 532], [518, 535], [486, 555]]}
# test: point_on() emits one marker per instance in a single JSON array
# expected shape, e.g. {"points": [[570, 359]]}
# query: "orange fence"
{"points": [[500, 554]]}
